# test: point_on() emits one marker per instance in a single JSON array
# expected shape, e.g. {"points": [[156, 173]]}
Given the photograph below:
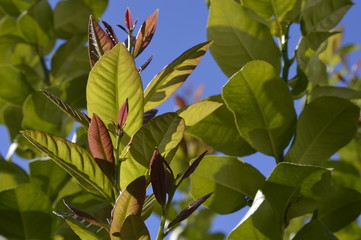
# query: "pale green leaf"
{"points": [[324, 126], [165, 83], [230, 179], [112, 80], [324, 15], [74, 159], [25, 213], [81, 230], [238, 38], [263, 107], [196, 112], [13, 85], [134, 229], [11, 175], [331, 91], [219, 131], [163, 132]]}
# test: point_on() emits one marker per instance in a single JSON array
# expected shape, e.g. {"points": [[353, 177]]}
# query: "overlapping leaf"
{"points": [[75, 160], [134, 228], [196, 112], [111, 81], [165, 83]]}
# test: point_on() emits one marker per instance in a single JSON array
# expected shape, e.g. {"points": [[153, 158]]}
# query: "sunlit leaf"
{"points": [[129, 202], [238, 39], [134, 228], [145, 34], [324, 126], [75, 160], [123, 114], [331, 91], [11, 175], [231, 180], [196, 112], [263, 107], [111, 81], [165, 83]]}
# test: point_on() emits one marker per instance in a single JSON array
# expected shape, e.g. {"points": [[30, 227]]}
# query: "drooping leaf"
{"points": [[111, 81], [196, 112], [13, 85], [164, 132], [99, 42], [238, 39], [340, 92], [72, 112], [134, 228], [324, 126], [158, 177], [184, 214], [129, 202], [219, 131], [145, 34], [324, 15], [101, 147], [74, 159], [262, 106], [25, 213], [165, 83], [231, 180], [11, 175]]}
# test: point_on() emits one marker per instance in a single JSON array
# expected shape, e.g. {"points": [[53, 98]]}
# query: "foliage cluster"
{"points": [[121, 147]]}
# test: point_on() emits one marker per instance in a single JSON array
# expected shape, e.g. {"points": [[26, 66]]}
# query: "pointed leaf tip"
{"points": [[194, 165], [128, 19]]}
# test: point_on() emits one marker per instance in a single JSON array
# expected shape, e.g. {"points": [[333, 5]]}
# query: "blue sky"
{"points": [[181, 25]]}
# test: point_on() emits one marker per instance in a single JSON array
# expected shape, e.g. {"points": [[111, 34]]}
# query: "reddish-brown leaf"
{"points": [[158, 177], [84, 216], [109, 30], [149, 115], [187, 211], [98, 41], [193, 166], [123, 114], [101, 146], [145, 65], [145, 33], [128, 19]]}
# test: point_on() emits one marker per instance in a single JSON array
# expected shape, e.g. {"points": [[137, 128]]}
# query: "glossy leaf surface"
{"points": [[262, 106]]}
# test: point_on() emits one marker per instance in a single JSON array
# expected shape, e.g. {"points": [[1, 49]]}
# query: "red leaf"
{"points": [[110, 32], [128, 19], [193, 166], [158, 177], [98, 41], [187, 211], [145, 33], [123, 114], [101, 146]]}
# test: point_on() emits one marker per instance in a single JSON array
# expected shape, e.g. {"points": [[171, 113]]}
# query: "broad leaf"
{"points": [[74, 159], [269, 8], [129, 202], [165, 83], [98, 41], [314, 230], [219, 131], [163, 132], [238, 38], [231, 180], [134, 229], [324, 126], [196, 112], [324, 15], [25, 213], [13, 85], [158, 178], [263, 107], [145, 34], [11, 175], [331, 91], [111, 81]]}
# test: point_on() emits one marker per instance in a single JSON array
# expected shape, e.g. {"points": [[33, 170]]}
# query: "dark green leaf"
{"points": [[11, 175], [134, 229], [340, 92], [314, 230]]}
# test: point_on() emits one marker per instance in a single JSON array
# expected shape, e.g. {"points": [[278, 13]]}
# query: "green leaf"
{"points": [[238, 38], [219, 131], [11, 175], [111, 81], [163, 132], [134, 229], [74, 159], [230, 180], [25, 213], [165, 83], [196, 112], [263, 107], [314, 230], [323, 15], [40, 113], [324, 126], [13, 85], [340, 92], [129, 202]]}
